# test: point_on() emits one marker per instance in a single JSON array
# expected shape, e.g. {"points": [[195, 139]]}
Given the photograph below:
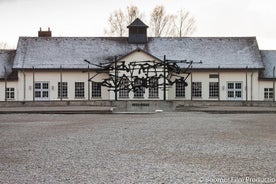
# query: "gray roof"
{"points": [[6, 61], [137, 23], [70, 52], [269, 59]]}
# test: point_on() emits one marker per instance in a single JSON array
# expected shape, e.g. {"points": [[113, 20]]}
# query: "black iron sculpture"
{"points": [[139, 75]]}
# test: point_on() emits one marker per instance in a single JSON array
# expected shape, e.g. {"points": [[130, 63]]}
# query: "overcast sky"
{"points": [[89, 17]]}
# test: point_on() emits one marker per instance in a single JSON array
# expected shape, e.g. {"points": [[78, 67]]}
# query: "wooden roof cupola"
{"points": [[137, 32]]}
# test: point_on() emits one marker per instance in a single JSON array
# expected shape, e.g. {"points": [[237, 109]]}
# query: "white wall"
{"points": [[264, 84], [25, 83], [225, 77], [10, 84], [252, 90]]}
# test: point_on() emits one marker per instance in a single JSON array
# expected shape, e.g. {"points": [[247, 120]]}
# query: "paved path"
{"points": [[175, 147], [57, 110], [108, 110], [228, 109]]}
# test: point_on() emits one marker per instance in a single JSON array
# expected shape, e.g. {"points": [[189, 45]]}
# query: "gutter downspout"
{"points": [[6, 81], [61, 85], [246, 84], [88, 75], [164, 85], [251, 86], [116, 80], [274, 84], [24, 85], [33, 84], [218, 83], [191, 84]]}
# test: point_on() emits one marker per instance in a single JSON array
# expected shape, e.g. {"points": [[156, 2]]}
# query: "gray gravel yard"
{"points": [[184, 147]]}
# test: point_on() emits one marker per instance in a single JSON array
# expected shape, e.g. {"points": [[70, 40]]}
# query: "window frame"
{"points": [[79, 90], [153, 87], [180, 91], [138, 92], [196, 89], [234, 90], [213, 89], [42, 90], [96, 91], [64, 89], [124, 88], [268, 93], [213, 76], [10, 93]]}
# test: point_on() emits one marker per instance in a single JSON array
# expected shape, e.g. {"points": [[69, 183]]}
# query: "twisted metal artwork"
{"points": [[139, 75]]}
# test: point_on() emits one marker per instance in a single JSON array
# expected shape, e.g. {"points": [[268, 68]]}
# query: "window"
{"points": [[45, 85], [137, 31], [196, 89], [153, 87], [79, 89], [268, 93], [64, 90], [139, 90], [10, 93], [41, 90], [123, 88], [96, 89], [213, 76], [180, 88], [234, 90], [213, 89]]}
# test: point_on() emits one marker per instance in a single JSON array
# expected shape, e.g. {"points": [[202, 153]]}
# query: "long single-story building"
{"points": [[79, 68]]}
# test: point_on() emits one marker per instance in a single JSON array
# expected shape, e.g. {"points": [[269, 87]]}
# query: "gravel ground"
{"points": [[160, 148]]}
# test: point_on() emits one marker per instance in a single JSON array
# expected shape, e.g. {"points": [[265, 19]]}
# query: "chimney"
{"points": [[45, 33]]}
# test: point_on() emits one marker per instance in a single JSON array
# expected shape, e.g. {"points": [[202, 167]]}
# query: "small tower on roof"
{"points": [[137, 32]]}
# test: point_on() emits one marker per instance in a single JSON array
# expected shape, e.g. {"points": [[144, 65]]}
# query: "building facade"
{"points": [[69, 68]]}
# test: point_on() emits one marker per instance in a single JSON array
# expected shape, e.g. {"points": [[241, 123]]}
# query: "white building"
{"points": [[233, 68]]}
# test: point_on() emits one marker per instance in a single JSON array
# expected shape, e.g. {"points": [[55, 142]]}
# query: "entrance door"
{"points": [[234, 90], [42, 91]]}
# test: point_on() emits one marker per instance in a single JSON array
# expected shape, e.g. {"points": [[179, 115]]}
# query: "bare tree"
{"points": [[3, 45], [161, 23], [133, 12], [116, 24], [184, 24], [119, 20]]}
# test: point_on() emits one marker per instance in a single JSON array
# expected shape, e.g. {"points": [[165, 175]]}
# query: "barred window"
{"points": [[180, 88], [96, 89], [196, 89], [123, 88], [213, 89], [268, 93], [153, 87], [79, 89], [63, 90], [10, 93], [139, 90]]}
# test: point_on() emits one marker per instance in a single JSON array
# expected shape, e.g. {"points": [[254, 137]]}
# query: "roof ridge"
{"points": [[113, 37]]}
